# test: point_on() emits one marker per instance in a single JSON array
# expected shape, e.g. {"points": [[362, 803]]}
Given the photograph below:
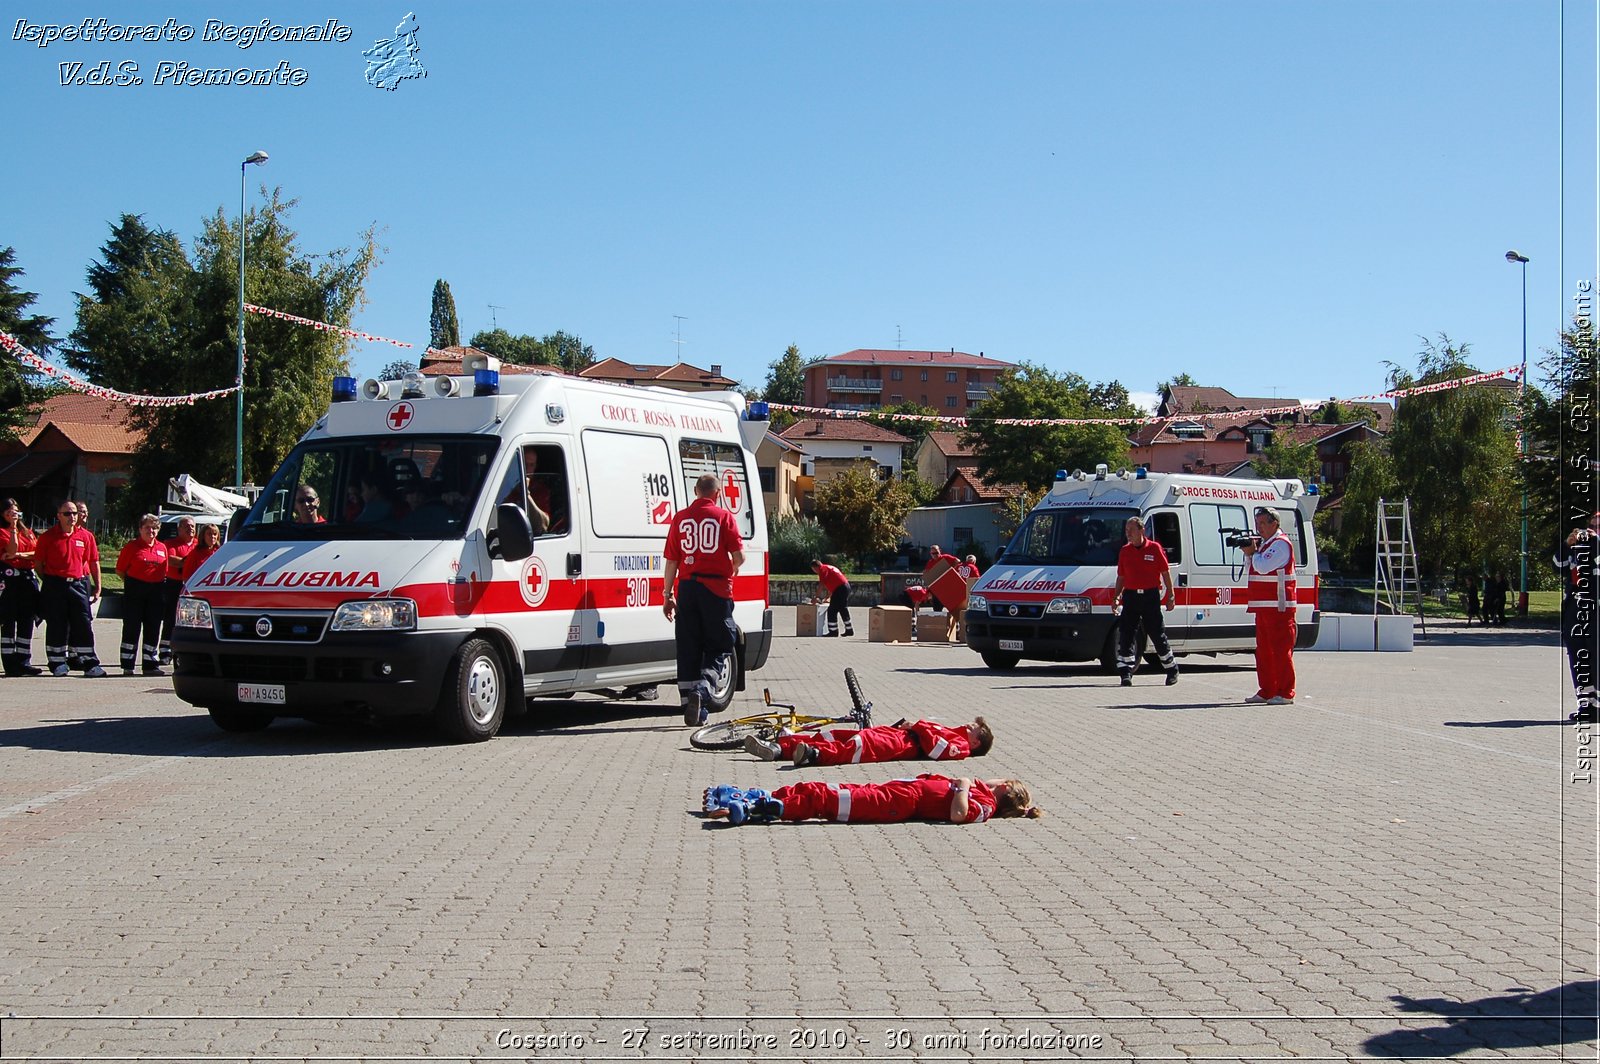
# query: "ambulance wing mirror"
{"points": [[236, 522], [514, 536]]}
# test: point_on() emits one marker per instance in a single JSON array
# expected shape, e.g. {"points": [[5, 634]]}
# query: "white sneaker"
{"points": [[1279, 700], [754, 744], [1255, 700]]}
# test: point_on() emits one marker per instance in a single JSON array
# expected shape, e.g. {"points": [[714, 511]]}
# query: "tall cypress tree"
{"points": [[444, 328], [19, 388]]}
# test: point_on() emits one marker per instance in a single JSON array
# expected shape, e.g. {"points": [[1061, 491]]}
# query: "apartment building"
{"points": [[948, 381]]}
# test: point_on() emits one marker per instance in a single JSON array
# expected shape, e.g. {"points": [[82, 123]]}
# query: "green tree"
{"points": [[1454, 455], [1562, 472], [396, 370], [444, 328], [914, 429], [1287, 459], [1181, 380], [158, 322], [862, 513], [20, 389], [1372, 477], [567, 351], [1030, 454], [516, 348], [786, 380]]}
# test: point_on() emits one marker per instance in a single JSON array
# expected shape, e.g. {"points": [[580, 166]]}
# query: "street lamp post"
{"points": [[238, 435], [1522, 429]]}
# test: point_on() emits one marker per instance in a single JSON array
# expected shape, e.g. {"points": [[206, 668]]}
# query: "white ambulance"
{"points": [[1048, 596], [454, 546]]}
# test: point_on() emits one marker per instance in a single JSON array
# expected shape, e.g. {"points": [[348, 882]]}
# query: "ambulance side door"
{"points": [[1216, 612], [539, 600], [1165, 526], [630, 482]]}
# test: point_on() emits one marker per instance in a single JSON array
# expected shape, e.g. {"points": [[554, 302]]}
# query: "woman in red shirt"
{"points": [[19, 592], [210, 540], [928, 797], [143, 565]]}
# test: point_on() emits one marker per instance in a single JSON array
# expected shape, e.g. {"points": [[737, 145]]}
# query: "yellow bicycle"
{"points": [[731, 734]]}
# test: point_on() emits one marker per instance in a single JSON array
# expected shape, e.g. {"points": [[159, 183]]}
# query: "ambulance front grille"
{"points": [[273, 668]]}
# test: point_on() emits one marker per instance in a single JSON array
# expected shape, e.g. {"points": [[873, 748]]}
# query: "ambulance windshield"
{"points": [[1079, 536], [417, 487]]}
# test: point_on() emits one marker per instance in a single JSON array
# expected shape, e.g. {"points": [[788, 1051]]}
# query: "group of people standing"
{"points": [[54, 576], [1490, 608]]}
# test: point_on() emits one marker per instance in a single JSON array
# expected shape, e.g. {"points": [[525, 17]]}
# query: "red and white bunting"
{"points": [[78, 384], [322, 326]]}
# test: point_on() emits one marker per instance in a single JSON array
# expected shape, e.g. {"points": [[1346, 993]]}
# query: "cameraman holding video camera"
{"points": [[1272, 599]]}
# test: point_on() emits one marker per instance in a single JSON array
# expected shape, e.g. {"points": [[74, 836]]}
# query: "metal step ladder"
{"points": [[1395, 581]]}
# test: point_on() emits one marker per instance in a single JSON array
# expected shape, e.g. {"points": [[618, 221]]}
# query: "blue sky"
{"points": [[1274, 197]]}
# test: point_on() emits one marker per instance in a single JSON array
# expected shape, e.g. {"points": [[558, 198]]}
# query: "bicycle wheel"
{"points": [[731, 734], [857, 699]]}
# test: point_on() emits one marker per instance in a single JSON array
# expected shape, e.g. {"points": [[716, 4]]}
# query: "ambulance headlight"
{"points": [[978, 602], [194, 613], [1069, 604], [375, 615]]}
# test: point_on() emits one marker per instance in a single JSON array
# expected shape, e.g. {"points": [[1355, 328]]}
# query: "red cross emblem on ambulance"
{"points": [[535, 583], [730, 492], [400, 415]]}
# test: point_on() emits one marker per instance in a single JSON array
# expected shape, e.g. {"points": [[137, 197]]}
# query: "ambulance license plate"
{"points": [[1010, 644], [271, 694]]}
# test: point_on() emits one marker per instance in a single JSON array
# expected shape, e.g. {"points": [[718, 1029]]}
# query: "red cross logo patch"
{"points": [[534, 582], [730, 492], [400, 415]]}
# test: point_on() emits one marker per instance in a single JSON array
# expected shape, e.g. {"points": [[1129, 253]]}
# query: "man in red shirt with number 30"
{"points": [[1142, 574], [703, 539]]}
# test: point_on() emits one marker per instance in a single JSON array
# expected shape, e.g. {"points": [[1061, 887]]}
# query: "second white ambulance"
{"points": [[1048, 596]]}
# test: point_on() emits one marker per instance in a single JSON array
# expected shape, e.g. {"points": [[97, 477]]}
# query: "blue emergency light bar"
{"points": [[757, 411], [486, 382], [344, 389]]}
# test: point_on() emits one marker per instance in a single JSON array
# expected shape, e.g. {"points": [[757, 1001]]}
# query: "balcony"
{"points": [[855, 384], [980, 392]]}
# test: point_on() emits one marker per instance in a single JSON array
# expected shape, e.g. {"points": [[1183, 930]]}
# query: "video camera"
{"points": [[1239, 537]]}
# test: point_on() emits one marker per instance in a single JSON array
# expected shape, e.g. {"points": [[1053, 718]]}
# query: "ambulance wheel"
{"points": [[236, 718], [722, 692], [730, 734], [1001, 660], [473, 702]]}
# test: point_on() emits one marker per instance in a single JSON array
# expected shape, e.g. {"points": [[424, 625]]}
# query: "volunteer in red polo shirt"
{"points": [[177, 550], [1142, 574], [143, 564], [704, 540], [19, 591], [64, 557], [837, 587]]}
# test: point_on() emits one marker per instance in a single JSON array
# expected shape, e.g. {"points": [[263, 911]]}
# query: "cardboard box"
{"points": [[937, 628], [808, 619], [889, 624]]}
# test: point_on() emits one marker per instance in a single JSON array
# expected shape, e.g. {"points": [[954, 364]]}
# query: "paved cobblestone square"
{"points": [[1381, 869]]}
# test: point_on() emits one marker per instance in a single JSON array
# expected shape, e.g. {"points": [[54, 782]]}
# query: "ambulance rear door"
{"points": [[1165, 526], [540, 599]]}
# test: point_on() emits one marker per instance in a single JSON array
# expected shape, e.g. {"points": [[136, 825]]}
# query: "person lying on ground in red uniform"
{"points": [[901, 741], [927, 797]]}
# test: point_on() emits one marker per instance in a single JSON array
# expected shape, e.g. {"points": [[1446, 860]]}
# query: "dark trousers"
{"points": [[142, 607], [171, 591], [1142, 608], [1580, 633], [68, 622], [839, 609], [705, 633], [19, 597]]}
